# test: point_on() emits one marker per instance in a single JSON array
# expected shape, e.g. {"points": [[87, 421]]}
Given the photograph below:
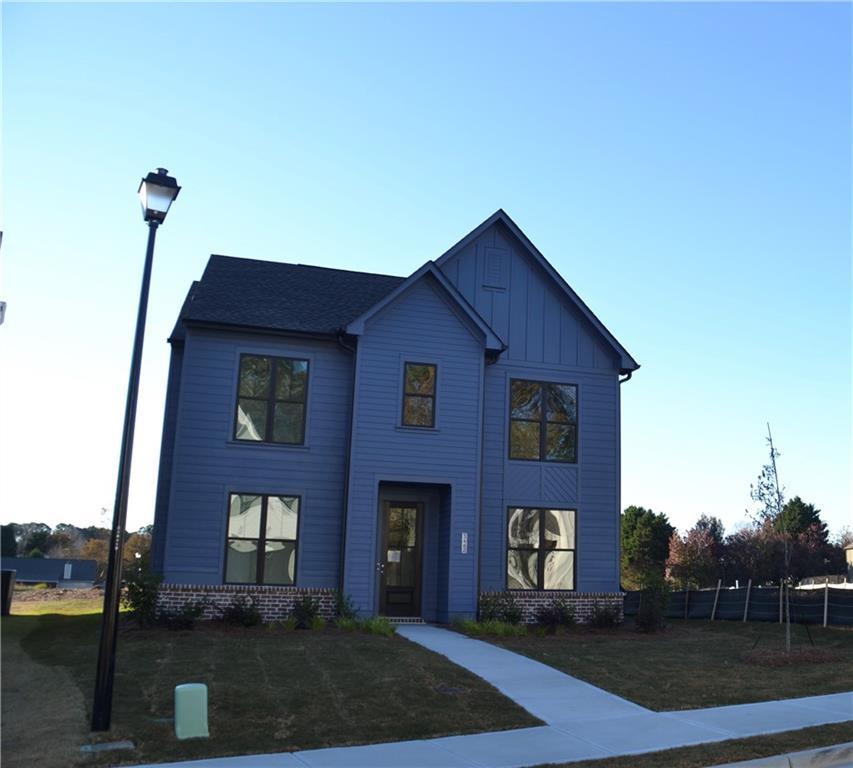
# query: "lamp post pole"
{"points": [[102, 706], [155, 212]]}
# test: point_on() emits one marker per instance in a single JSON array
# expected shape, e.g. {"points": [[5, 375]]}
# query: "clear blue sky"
{"points": [[686, 168]]}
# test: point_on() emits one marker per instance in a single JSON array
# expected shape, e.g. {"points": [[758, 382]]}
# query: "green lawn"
{"points": [[695, 664], [270, 690], [729, 751], [273, 690]]}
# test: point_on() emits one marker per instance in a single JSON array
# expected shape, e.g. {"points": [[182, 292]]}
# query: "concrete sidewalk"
{"points": [[839, 756], [582, 722]]}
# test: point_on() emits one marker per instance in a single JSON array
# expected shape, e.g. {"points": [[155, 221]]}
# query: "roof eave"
{"points": [[218, 325]]}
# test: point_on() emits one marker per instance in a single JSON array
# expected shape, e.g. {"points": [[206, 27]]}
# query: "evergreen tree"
{"points": [[645, 545], [8, 543]]}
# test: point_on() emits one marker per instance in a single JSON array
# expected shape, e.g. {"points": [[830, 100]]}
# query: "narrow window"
{"points": [[543, 421], [540, 548], [271, 400], [419, 395], [261, 539]]}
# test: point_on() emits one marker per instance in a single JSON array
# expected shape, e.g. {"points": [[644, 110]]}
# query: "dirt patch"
{"points": [[780, 658], [43, 712]]}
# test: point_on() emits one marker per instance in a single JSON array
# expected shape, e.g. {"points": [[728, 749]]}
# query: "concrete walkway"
{"points": [[582, 722]]}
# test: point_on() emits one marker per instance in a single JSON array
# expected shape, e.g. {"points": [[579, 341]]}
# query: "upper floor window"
{"points": [[419, 395], [540, 548], [543, 422], [271, 399], [261, 539]]}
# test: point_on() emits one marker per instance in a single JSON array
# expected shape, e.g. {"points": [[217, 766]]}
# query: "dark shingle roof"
{"points": [[277, 296]]}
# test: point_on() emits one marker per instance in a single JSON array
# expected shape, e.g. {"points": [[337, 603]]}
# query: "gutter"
{"points": [[628, 376]]}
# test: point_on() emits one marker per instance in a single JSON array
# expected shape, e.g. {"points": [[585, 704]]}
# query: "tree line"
{"points": [[69, 541], [653, 549]]}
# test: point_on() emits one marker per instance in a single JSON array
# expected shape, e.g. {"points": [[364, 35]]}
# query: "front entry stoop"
{"points": [[405, 619]]}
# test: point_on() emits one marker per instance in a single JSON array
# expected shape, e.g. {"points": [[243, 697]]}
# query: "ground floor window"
{"points": [[261, 545], [540, 548]]}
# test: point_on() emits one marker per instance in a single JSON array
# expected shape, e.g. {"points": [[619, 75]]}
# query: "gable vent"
{"points": [[495, 267]]}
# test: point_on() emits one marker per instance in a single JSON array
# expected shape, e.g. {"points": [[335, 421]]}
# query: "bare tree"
{"points": [[770, 495]]}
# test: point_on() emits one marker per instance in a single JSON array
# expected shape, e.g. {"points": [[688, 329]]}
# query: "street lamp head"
{"points": [[156, 193]]}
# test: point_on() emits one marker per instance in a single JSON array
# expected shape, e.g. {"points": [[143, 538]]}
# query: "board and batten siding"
{"points": [[421, 325], [548, 339], [208, 464]]}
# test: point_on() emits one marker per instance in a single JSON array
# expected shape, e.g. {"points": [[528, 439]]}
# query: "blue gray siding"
{"points": [[167, 449], [548, 340], [420, 326], [462, 464], [207, 464]]}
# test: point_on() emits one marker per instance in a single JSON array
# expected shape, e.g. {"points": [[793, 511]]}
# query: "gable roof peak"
{"points": [[492, 341], [627, 363]]}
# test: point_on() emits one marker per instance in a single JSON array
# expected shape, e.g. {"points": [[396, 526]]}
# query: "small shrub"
{"points": [[502, 629], [242, 612], [41, 585], [500, 607], [378, 625], [344, 607], [184, 617], [141, 588], [466, 626], [346, 625], [318, 623], [604, 616], [653, 602], [305, 611], [557, 613], [289, 624]]}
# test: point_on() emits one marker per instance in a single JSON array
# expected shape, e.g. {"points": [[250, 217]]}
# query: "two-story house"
{"points": [[412, 442]]}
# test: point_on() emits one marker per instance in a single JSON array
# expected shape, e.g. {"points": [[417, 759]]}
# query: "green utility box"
{"points": [[191, 711]]}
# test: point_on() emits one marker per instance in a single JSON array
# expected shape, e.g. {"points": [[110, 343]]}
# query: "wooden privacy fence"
{"points": [[826, 605]]}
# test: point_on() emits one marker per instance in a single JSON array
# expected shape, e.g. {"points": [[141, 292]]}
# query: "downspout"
{"points": [[340, 337], [628, 376], [490, 360]]}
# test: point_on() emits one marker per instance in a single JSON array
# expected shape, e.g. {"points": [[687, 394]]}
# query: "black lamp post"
{"points": [[156, 193]]}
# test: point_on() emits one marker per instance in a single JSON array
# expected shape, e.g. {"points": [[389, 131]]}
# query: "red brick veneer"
{"points": [[582, 602], [274, 603]]}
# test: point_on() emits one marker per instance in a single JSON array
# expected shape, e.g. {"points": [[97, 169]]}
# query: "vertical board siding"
{"points": [[550, 340], [419, 326], [532, 315], [207, 464]]}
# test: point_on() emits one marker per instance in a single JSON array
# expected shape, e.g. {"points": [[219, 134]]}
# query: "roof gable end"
{"points": [[627, 362], [492, 341]]}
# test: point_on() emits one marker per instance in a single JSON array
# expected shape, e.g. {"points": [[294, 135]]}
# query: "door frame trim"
{"points": [[420, 506], [427, 494]]}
